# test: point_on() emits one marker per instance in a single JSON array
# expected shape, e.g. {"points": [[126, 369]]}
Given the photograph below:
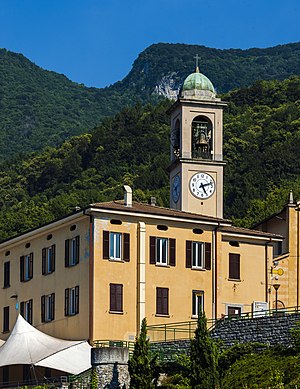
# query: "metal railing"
{"points": [[186, 330]]}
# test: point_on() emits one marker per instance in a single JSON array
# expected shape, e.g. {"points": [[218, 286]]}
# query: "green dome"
{"points": [[198, 81]]}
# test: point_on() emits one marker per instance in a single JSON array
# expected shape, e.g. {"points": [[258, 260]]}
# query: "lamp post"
{"points": [[276, 287]]}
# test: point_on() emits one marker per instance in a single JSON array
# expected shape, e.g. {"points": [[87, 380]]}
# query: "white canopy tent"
{"points": [[28, 346]]}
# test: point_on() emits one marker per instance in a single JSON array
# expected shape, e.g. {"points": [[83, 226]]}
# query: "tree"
{"points": [[141, 366], [204, 357]]}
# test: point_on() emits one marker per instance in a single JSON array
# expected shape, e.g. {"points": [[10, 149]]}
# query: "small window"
{"points": [[234, 243], [162, 251], [197, 302], [162, 227], [198, 254], [26, 267], [49, 237], [73, 227], [116, 298], [5, 319], [234, 311], [234, 266], [116, 246], [72, 301], [26, 310], [162, 301], [5, 376], [116, 221], [197, 231], [72, 251], [48, 260], [48, 307], [7, 253], [6, 281]]}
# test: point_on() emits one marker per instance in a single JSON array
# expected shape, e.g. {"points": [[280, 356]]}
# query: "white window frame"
{"points": [[162, 251], [27, 267], [115, 246], [48, 259], [197, 255], [196, 296], [73, 251], [27, 310], [72, 301], [48, 308]]}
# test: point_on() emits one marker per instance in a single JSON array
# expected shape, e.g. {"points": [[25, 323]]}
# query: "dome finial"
{"points": [[197, 63]]}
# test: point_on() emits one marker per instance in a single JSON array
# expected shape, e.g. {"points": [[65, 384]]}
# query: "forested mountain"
{"points": [[40, 108], [262, 143]]}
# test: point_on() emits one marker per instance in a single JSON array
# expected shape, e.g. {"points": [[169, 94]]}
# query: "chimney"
{"points": [[127, 196], [291, 197], [153, 201]]}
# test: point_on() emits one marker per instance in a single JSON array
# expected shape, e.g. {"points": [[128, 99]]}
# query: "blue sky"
{"points": [[96, 41]]}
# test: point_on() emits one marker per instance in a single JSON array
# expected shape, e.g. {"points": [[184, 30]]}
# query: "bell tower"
{"points": [[196, 169]]}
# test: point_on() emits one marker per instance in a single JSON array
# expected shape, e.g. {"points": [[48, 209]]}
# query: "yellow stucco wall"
{"points": [[73, 327]]}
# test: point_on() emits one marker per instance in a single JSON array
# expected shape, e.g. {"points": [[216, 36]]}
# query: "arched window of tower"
{"points": [[202, 138], [175, 138]]}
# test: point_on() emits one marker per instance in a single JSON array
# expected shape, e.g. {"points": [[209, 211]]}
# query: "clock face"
{"points": [[202, 185], [176, 188]]}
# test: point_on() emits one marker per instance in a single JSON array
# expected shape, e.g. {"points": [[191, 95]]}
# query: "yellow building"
{"points": [[97, 273], [285, 270]]}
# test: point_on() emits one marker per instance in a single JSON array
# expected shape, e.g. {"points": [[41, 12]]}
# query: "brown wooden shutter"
{"points": [[77, 299], [77, 249], [165, 301], [119, 296], [5, 319], [44, 254], [172, 252], [207, 256], [43, 309], [53, 257], [30, 311], [126, 247], [105, 244], [6, 274], [234, 266], [162, 301], [152, 250], [67, 252], [188, 254], [22, 268], [67, 293], [112, 297], [22, 308], [30, 265], [52, 306]]}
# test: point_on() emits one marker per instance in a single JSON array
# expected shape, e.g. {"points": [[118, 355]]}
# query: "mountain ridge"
{"points": [[40, 108]]}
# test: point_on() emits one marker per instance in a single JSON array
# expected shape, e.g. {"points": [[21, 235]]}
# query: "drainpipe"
{"points": [[214, 272], [266, 272], [141, 276], [91, 278], [298, 244]]}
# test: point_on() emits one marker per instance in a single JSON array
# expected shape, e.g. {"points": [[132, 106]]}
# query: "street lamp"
{"points": [[276, 287]]}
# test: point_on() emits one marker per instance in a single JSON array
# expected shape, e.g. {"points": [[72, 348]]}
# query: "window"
{"points": [[234, 311], [162, 251], [197, 302], [116, 298], [48, 259], [26, 310], [48, 307], [72, 251], [26, 267], [6, 281], [198, 255], [162, 301], [5, 377], [72, 301], [234, 266], [116, 246], [5, 319]]}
